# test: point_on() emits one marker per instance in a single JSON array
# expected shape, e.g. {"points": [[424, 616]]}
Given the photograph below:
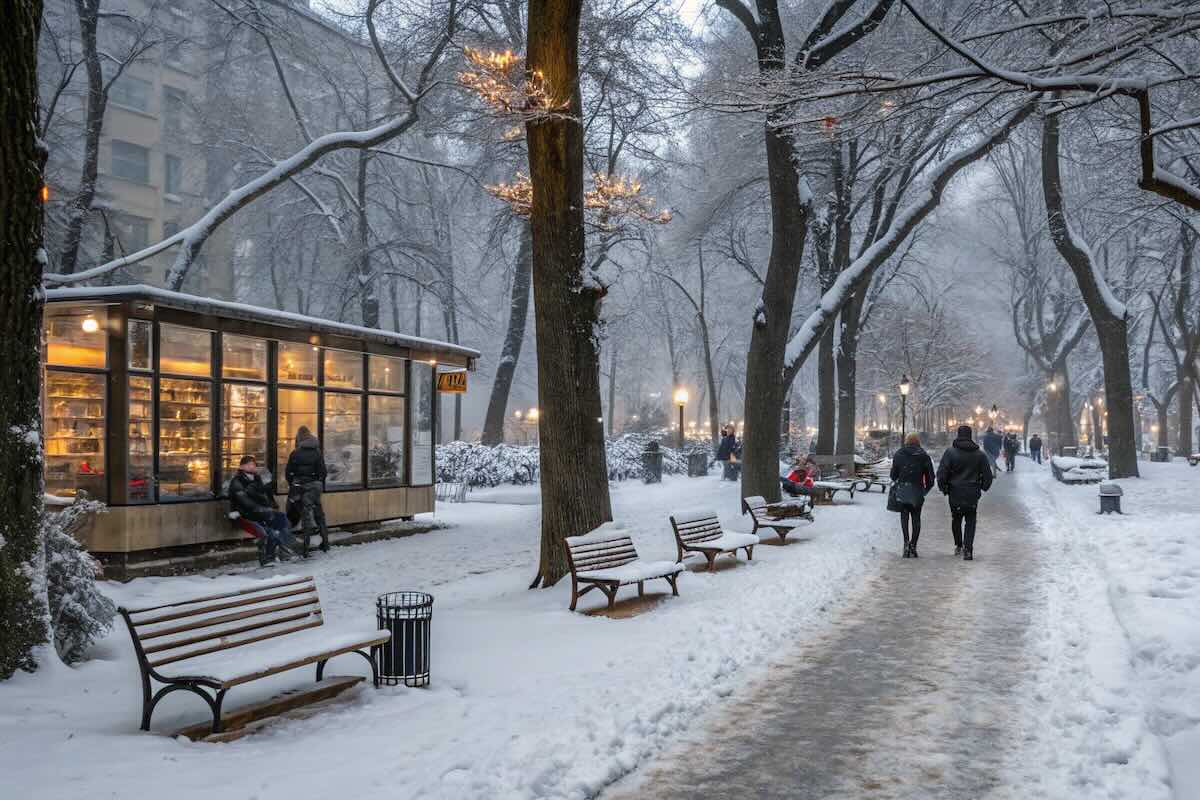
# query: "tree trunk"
{"points": [[714, 422], [613, 360], [574, 482], [514, 338], [1111, 327], [88, 12], [847, 377], [826, 394], [1186, 390], [23, 614]]}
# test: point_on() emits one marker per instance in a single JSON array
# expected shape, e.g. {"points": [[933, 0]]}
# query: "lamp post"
{"points": [[905, 386], [681, 398]]}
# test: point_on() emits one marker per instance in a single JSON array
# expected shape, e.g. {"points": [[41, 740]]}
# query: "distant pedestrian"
{"points": [[1035, 448], [912, 479], [992, 444], [1011, 446], [963, 475], [725, 453]]}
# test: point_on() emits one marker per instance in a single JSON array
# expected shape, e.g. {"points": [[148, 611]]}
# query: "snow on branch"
{"points": [[858, 274]]}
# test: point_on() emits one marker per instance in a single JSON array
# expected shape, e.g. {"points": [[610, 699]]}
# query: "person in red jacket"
{"points": [[800, 480]]}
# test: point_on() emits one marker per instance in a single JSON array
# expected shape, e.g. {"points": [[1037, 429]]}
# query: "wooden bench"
{"points": [[757, 508], [865, 482], [606, 559], [826, 489], [699, 531], [220, 641]]}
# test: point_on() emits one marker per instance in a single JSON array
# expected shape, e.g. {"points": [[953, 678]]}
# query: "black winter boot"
{"points": [[958, 549], [912, 550], [968, 555]]}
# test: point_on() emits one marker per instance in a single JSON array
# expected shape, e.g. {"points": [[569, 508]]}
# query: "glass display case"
{"points": [[141, 344], [297, 407], [74, 431], [387, 374], [343, 370], [140, 464], [243, 358], [184, 351], [385, 460], [243, 426], [297, 363], [77, 336], [184, 439], [422, 397]]}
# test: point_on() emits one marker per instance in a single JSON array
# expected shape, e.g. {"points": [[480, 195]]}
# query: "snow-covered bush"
{"points": [[79, 613], [480, 465]]}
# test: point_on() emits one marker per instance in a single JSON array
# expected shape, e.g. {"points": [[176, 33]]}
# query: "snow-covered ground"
{"points": [[1116, 695], [528, 699]]}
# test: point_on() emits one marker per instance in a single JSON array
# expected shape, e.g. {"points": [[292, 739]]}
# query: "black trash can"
{"points": [[697, 463], [405, 658], [652, 459]]}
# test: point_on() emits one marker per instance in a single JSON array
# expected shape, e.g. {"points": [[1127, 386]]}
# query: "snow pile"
{"points": [[1119, 682], [528, 700]]}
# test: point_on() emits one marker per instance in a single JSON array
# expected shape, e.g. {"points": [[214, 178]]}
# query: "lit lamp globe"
{"points": [[90, 324], [533, 415], [681, 397]]}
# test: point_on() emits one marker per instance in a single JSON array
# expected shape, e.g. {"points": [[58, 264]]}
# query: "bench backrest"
{"points": [[696, 527], [592, 552], [754, 504], [186, 628]]}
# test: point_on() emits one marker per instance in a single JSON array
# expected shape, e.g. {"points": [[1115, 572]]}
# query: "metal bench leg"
{"points": [[712, 560], [321, 669], [641, 588], [214, 704], [749, 553], [671, 579]]}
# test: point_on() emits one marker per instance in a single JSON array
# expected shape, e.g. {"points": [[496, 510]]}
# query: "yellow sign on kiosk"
{"points": [[452, 382]]}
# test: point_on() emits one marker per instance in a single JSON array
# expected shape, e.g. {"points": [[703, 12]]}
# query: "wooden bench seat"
{"points": [[699, 531], [207, 645], [826, 489], [756, 507], [606, 559]]}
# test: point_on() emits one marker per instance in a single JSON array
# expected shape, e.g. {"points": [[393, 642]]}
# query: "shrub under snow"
{"points": [[79, 613]]}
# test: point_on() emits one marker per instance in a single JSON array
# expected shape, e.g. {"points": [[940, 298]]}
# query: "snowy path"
{"points": [[914, 693]]}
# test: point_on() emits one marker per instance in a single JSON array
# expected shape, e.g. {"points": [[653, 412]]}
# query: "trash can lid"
{"points": [[1110, 490]]}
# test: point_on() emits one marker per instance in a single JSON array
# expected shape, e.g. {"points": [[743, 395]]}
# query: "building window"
{"points": [[343, 439], [385, 457], [170, 228], [343, 370], [131, 233], [172, 174], [140, 466], [74, 430], [243, 426], [387, 374], [132, 93], [243, 358], [297, 408], [184, 439], [174, 107], [297, 363], [130, 161], [184, 351], [141, 344], [77, 336], [422, 397]]}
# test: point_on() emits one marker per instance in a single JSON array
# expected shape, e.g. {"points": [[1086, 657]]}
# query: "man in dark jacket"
{"points": [[305, 474], [1011, 446], [991, 445], [1035, 448], [254, 501], [725, 452], [963, 475]]}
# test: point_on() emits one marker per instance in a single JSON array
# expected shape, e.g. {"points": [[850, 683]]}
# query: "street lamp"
{"points": [[681, 398], [905, 386], [994, 413]]}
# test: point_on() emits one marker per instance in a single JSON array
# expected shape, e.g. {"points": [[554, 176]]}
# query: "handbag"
{"points": [[892, 503]]}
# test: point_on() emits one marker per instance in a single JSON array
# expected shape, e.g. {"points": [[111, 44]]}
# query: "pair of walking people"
{"points": [[963, 475]]}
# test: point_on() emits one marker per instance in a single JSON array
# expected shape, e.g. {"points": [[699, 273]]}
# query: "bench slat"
{"points": [[231, 645], [247, 601], [256, 624], [222, 619], [239, 593], [606, 544]]}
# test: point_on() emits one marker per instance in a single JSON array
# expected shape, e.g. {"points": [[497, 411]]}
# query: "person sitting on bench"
{"points": [[254, 501], [800, 480]]}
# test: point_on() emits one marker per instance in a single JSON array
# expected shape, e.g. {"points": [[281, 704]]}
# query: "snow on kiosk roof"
{"points": [[422, 348]]}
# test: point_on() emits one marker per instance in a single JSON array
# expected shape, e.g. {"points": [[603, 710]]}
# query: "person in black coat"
{"points": [[726, 451], [1035, 448], [963, 475], [1011, 446], [913, 478], [254, 501], [305, 475]]}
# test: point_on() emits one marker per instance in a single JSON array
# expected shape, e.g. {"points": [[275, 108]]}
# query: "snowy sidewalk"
{"points": [[910, 695], [528, 699]]}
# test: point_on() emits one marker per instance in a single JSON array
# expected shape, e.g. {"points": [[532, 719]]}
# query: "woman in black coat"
{"points": [[912, 478]]}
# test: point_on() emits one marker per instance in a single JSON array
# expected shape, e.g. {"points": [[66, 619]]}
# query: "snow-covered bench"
{"points": [[1070, 469], [757, 508], [699, 531], [606, 559], [220, 641]]}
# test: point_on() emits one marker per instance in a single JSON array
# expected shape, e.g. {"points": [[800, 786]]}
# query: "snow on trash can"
{"points": [[652, 463], [405, 658], [1110, 498]]}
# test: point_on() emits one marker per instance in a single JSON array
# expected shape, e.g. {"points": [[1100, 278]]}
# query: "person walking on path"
{"points": [[992, 444], [1035, 448], [1011, 446], [725, 450], [305, 475], [913, 478], [963, 475]]}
